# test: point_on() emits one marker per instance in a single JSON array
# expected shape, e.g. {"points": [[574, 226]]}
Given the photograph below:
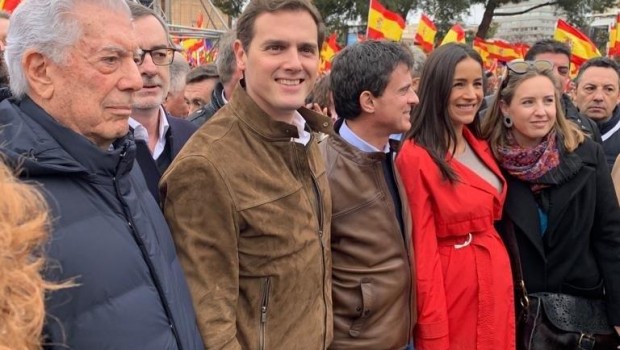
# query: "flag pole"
{"points": [[368, 17]]}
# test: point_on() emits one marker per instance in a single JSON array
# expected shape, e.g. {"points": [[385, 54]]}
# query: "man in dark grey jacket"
{"points": [[66, 128]]}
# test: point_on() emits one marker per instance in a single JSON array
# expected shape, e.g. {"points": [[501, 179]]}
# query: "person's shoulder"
{"points": [[588, 151], [200, 116], [412, 149], [181, 124]]}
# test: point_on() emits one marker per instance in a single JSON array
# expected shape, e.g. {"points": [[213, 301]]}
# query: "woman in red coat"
{"points": [[456, 193]]}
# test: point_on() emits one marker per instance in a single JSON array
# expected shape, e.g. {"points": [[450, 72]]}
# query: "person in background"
{"points": [[4, 27], [419, 59], [66, 128], [5, 19], [199, 85], [320, 98], [229, 73], [159, 136], [456, 192], [561, 198], [597, 93], [559, 54], [248, 200], [24, 225], [175, 100], [373, 288]]}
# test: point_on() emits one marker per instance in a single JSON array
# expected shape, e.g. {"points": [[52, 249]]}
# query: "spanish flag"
{"points": [[481, 47], [425, 34], [9, 5], [328, 51], [383, 23], [456, 34], [502, 50], [582, 48]]}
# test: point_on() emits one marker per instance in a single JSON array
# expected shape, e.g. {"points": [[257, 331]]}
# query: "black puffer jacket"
{"points": [[108, 235]]}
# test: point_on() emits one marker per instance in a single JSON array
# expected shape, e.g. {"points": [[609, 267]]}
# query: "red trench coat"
{"points": [[464, 295]]}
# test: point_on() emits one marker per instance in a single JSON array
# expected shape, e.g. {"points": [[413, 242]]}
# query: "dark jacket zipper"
{"points": [[264, 307]]}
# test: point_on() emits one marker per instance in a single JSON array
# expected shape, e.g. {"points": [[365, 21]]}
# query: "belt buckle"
{"points": [[586, 341], [466, 243]]}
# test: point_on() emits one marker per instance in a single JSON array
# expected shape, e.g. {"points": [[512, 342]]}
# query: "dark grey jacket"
{"points": [[108, 235]]}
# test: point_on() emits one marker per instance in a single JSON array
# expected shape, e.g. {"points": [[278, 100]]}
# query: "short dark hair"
{"points": [[5, 15], [245, 23], [547, 46], [202, 72], [602, 62], [366, 66]]}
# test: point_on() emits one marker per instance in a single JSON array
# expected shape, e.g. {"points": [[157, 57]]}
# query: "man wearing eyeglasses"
{"points": [[559, 54], [159, 136]]}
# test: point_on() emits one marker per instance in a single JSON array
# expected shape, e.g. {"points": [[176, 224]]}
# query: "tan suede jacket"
{"points": [[374, 298], [250, 213]]}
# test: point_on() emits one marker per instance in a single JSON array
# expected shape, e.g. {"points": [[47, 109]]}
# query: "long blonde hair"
{"points": [[493, 129], [24, 225]]}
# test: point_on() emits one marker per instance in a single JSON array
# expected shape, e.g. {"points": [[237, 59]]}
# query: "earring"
{"points": [[508, 122]]}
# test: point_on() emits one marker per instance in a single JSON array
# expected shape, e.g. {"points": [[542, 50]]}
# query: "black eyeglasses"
{"points": [[522, 67], [160, 57]]}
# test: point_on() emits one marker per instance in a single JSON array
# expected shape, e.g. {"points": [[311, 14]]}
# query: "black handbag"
{"points": [[550, 321]]}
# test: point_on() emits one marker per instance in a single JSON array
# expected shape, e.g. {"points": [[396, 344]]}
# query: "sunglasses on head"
{"points": [[522, 67]]}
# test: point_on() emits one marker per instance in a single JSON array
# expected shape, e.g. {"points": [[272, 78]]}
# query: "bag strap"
{"points": [[510, 239]]}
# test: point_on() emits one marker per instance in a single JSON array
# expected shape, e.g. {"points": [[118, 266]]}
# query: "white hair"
{"points": [[178, 71], [48, 27]]}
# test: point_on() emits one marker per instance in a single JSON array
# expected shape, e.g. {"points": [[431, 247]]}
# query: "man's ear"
{"points": [[37, 68], [367, 102], [415, 82], [240, 54]]}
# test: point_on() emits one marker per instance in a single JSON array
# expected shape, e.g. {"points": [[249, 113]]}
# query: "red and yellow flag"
{"points": [[456, 34], [383, 23], [481, 47], [328, 51], [613, 47], [502, 50], [425, 34], [582, 48], [9, 5]]}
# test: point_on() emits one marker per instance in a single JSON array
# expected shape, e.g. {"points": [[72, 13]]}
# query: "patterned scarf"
{"points": [[530, 164]]}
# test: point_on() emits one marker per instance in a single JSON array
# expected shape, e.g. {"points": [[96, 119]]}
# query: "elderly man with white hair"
{"points": [[66, 129]]}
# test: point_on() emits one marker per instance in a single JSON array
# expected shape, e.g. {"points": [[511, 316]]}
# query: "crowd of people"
{"points": [[251, 204]]}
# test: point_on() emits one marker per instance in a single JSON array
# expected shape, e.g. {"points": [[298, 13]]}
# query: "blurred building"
{"points": [[528, 27]]}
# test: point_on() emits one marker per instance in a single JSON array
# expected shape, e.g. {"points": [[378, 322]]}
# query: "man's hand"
{"points": [[618, 331]]}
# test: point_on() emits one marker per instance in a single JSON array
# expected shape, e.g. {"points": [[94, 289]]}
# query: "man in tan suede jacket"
{"points": [[373, 288], [247, 198]]}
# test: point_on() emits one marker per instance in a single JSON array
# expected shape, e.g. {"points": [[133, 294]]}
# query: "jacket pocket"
{"points": [[595, 291], [364, 309], [264, 308]]}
